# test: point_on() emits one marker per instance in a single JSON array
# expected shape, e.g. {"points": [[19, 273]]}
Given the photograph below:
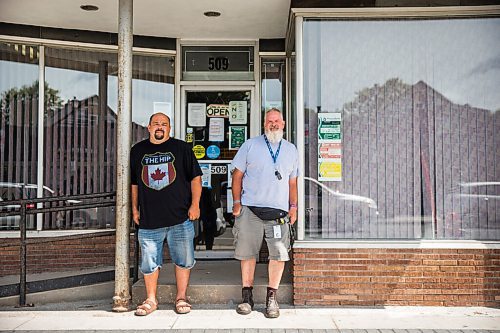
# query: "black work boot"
{"points": [[272, 307], [246, 306]]}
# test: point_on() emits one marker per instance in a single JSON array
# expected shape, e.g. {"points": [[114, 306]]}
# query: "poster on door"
{"points": [[237, 135], [196, 114], [206, 178], [216, 130], [238, 112]]}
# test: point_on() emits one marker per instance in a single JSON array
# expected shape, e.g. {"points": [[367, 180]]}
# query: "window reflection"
{"points": [[273, 85], [18, 125], [419, 108], [81, 123]]}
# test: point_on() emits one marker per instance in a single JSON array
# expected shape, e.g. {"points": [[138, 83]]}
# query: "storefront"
{"points": [[395, 112]]}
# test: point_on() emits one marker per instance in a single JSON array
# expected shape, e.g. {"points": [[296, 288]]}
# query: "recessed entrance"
{"points": [[216, 121]]}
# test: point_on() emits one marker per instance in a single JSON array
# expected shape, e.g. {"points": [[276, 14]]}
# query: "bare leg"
{"points": [[151, 282], [248, 272], [182, 281], [275, 269]]}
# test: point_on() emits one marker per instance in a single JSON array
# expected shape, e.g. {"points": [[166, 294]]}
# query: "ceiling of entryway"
{"points": [[239, 19]]}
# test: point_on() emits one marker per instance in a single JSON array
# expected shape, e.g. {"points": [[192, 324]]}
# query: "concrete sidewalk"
{"points": [[96, 316]]}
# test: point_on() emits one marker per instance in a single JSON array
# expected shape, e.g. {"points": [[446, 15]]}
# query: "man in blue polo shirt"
{"points": [[264, 203]]}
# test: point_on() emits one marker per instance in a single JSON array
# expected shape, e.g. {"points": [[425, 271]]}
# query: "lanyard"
{"points": [[274, 156]]}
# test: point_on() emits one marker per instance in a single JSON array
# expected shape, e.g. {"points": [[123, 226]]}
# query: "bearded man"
{"points": [[264, 191]]}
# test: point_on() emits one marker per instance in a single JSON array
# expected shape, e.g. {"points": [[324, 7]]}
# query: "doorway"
{"points": [[216, 121]]}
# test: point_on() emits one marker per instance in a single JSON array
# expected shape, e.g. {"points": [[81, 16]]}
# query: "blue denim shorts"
{"points": [[180, 245]]}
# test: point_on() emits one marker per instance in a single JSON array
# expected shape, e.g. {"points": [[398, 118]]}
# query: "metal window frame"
{"points": [[41, 44], [294, 41]]}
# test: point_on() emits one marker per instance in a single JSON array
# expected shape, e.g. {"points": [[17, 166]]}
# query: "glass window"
{"points": [[18, 124], [273, 85], [80, 123], [403, 123]]}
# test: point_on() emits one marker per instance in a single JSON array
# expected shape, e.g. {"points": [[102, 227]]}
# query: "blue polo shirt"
{"points": [[261, 187]]}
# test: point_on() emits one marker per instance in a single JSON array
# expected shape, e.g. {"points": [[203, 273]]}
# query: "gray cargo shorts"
{"points": [[248, 232]]}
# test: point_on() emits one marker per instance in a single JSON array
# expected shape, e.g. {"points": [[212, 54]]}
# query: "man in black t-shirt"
{"points": [[166, 190]]}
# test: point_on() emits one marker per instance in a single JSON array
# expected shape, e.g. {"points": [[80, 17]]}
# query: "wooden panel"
{"points": [[18, 121], [3, 145], [481, 172], [364, 173], [404, 155], [48, 163], [83, 115], [496, 152], [390, 146], [89, 147], [423, 154], [67, 156], [439, 164], [380, 166], [357, 177], [74, 148], [96, 146], [311, 170], [463, 144], [430, 214], [417, 232], [34, 140], [456, 221], [372, 164], [473, 171], [344, 212]]}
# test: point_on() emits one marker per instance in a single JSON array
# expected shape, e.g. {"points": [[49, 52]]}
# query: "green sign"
{"points": [[329, 126], [237, 135]]}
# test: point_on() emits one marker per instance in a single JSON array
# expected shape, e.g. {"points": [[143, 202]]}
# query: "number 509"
{"points": [[218, 64]]}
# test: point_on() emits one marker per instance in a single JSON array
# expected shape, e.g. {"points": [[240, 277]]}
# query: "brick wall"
{"points": [[61, 253], [370, 277]]}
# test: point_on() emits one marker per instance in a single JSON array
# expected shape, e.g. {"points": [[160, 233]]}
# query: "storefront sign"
{"points": [[218, 110], [237, 135], [217, 59]]}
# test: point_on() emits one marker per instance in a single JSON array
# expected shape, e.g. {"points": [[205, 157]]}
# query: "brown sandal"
{"points": [[146, 308], [182, 306]]}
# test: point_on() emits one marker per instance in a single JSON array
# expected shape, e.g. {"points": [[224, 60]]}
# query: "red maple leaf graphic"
{"points": [[158, 175]]}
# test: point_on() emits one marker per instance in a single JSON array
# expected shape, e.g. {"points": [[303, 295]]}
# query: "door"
{"points": [[216, 121]]}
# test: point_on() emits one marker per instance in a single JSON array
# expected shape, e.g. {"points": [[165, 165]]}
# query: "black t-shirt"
{"points": [[163, 173]]}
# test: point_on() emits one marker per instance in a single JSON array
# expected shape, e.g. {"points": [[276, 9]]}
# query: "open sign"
{"points": [[218, 110]]}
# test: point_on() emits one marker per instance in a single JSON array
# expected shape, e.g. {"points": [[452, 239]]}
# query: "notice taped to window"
{"points": [[330, 146]]}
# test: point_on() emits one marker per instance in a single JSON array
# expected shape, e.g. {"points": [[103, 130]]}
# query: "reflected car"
{"points": [[10, 191]]}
